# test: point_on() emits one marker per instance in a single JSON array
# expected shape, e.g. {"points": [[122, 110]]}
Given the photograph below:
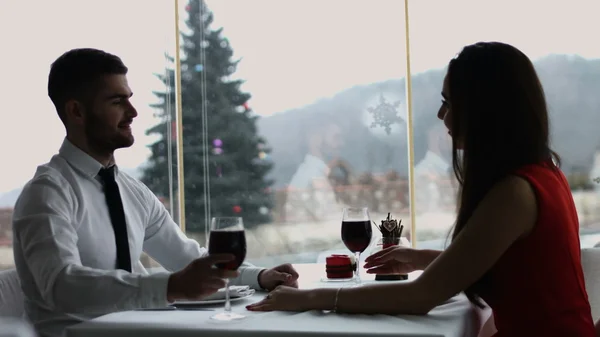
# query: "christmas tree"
{"points": [[234, 174]]}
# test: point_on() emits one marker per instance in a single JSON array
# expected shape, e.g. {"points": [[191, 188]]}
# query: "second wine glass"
{"points": [[227, 236], [356, 233]]}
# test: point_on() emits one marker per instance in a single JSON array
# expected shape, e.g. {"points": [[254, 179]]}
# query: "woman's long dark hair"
{"points": [[499, 115]]}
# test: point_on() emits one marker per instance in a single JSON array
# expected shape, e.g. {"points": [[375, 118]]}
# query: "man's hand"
{"points": [[199, 279], [284, 274]]}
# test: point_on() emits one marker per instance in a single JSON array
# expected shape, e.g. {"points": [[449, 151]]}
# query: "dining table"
{"points": [[453, 318]]}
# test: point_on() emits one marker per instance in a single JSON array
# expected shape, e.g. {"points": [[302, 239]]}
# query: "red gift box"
{"points": [[339, 266]]}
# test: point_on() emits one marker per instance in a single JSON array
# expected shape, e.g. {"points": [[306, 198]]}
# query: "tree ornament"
{"points": [[173, 130]]}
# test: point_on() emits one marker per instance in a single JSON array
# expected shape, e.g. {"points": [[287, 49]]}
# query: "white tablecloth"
{"points": [[455, 318]]}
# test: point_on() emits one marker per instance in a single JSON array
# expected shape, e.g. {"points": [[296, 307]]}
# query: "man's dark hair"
{"points": [[74, 74]]}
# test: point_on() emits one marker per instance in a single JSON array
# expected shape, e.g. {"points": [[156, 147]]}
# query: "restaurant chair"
{"points": [[11, 295], [15, 327], [590, 261], [12, 313]]}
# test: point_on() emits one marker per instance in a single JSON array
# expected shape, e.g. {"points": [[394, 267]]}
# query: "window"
{"points": [[556, 36], [31, 131], [311, 118], [292, 110]]}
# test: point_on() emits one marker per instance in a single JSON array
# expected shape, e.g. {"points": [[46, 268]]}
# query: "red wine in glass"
{"points": [[228, 242], [356, 233], [227, 236]]}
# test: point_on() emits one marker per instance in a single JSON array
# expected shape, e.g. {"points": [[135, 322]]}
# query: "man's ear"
{"points": [[74, 112]]}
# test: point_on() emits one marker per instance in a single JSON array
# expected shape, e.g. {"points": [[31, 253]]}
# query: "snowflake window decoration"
{"points": [[385, 114]]}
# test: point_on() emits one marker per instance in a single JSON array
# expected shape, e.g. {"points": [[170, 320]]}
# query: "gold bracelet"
{"points": [[335, 304]]}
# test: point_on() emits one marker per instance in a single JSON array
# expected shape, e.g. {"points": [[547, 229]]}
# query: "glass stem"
{"points": [[357, 271], [227, 303]]}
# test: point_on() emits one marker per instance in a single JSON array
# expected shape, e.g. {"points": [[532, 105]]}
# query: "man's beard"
{"points": [[105, 141]]}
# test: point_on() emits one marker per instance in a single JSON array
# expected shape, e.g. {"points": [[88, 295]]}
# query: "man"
{"points": [[80, 222], [434, 171], [323, 141]]}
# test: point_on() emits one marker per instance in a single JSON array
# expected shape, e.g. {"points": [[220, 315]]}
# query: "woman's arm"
{"points": [[428, 255], [507, 213]]}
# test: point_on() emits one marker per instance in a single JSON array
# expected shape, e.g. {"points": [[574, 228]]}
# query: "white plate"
{"points": [[195, 303]]}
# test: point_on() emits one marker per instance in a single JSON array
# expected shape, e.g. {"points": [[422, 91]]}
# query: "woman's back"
{"points": [[537, 287]]}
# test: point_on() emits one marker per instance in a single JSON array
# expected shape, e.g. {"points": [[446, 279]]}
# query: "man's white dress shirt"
{"points": [[322, 205], [65, 252]]}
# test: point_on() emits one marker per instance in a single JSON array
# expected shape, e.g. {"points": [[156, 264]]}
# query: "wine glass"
{"points": [[356, 233], [227, 237]]}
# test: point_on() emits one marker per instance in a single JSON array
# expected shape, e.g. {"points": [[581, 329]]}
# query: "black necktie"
{"points": [[117, 216]]}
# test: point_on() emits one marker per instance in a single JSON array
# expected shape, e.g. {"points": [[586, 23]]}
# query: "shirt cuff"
{"points": [[153, 290], [249, 276]]}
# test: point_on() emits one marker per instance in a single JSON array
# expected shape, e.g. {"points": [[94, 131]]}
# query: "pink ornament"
{"points": [[237, 209], [173, 130]]}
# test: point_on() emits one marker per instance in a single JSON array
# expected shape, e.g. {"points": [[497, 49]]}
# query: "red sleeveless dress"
{"points": [[537, 287]]}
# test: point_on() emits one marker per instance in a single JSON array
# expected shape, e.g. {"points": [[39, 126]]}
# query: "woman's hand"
{"points": [[397, 260], [290, 299]]}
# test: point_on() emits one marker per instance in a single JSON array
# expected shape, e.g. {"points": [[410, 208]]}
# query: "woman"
{"points": [[516, 238]]}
